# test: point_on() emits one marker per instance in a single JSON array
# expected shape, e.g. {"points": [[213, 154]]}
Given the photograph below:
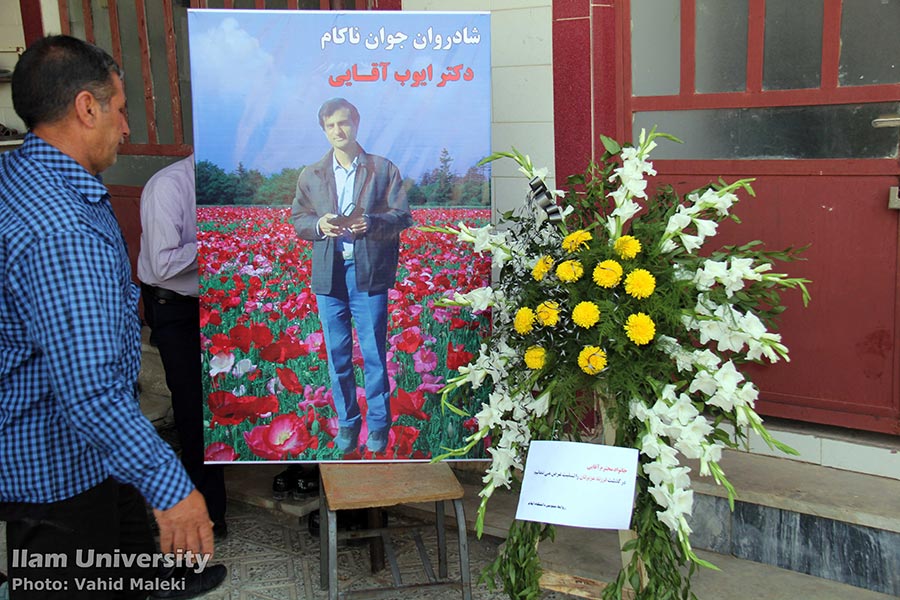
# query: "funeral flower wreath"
{"points": [[616, 310]]}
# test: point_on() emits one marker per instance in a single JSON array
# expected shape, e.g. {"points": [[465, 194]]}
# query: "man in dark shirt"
{"points": [[352, 206]]}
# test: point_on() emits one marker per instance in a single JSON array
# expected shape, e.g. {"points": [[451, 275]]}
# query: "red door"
{"points": [[787, 91]]}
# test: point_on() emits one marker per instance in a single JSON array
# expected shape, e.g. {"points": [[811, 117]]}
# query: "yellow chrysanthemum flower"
{"points": [[640, 328], [640, 283], [543, 266], [576, 240], [627, 246], [524, 321], [535, 358], [608, 274], [569, 271], [592, 360], [586, 314], [548, 313]]}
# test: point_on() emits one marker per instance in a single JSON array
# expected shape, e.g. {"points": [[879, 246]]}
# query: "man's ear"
{"points": [[86, 108]]}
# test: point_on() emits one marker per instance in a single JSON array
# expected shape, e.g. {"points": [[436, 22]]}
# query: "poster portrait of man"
{"points": [[324, 141]]}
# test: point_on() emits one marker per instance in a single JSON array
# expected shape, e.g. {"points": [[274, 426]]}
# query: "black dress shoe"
{"points": [[307, 482], [285, 483], [184, 583]]}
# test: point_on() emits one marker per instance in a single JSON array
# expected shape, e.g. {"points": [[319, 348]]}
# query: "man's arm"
{"points": [[71, 291], [163, 218], [308, 223], [389, 223]]}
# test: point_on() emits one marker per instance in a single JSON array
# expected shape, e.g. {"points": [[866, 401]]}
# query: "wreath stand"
{"points": [[587, 587], [376, 486]]}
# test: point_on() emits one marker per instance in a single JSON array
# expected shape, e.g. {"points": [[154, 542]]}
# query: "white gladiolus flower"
{"points": [[474, 372], [661, 495], [678, 221], [651, 445], [485, 238], [697, 429], [656, 425], [657, 473], [711, 453], [540, 405], [683, 411], [706, 359], [690, 242], [705, 228], [709, 274], [667, 455], [479, 299], [747, 395], [712, 200], [626, 210], [488, 417], [638, 410], [704, 382], [728, 377]]}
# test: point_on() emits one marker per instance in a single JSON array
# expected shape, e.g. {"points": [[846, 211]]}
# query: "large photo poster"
{"points": [[324, 141]]}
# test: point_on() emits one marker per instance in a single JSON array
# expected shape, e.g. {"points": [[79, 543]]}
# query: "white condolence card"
{"points": [[577, 484]]}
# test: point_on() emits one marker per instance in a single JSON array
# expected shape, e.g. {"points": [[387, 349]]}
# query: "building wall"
{"points": [[522, 86], [12, 42]]}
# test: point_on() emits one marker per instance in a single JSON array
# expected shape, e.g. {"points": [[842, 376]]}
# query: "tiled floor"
{"points": [[272, 556]]}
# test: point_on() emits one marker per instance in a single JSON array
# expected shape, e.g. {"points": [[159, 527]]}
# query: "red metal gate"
{"points": [[784, 91]]}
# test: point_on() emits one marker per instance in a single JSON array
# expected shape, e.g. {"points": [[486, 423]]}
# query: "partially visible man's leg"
{"points": [[370, 317], [176, 332], [72, 535], [334, 313]]}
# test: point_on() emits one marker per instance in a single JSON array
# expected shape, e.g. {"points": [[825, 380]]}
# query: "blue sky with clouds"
{"points": [[259, 77]]}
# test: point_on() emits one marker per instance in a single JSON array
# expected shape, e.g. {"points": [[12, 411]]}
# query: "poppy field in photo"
{"points": [[266, 383]]}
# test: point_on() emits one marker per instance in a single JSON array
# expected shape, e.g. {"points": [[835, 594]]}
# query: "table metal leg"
{"points": [[464, 576], [332, 555], [441, 538], [323, 538]]}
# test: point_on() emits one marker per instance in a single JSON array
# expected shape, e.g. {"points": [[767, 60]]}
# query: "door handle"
{"points": [[894, 198], [887, 121]]}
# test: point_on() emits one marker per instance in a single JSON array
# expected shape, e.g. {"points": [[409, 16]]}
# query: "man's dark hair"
{"points": [[332, 106], [53, 71]]}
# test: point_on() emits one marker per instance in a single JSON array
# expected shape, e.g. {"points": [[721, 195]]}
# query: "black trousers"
{"points": [[54, 550], [175, 330]]}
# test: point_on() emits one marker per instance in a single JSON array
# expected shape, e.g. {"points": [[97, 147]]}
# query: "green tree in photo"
{"points": [[214, 185]]}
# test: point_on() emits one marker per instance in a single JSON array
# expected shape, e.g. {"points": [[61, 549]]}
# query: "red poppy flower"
{"points": [[209, 317], [408, 340], [220, 344], [457, 323], [409, 404], [285, 436], [260, 334], [283, 350], [220, 452], [401, 440], [229, 409], [289, 380], [240, 337]]}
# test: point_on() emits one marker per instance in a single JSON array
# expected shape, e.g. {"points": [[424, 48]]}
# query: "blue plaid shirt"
{"points": [[70, 348]]}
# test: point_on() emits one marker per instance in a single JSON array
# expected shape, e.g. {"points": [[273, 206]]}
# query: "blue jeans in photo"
{"points": [[339, 311]]}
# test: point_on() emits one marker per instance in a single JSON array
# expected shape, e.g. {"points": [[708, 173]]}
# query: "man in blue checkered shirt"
{"points": [[77, 457]]}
